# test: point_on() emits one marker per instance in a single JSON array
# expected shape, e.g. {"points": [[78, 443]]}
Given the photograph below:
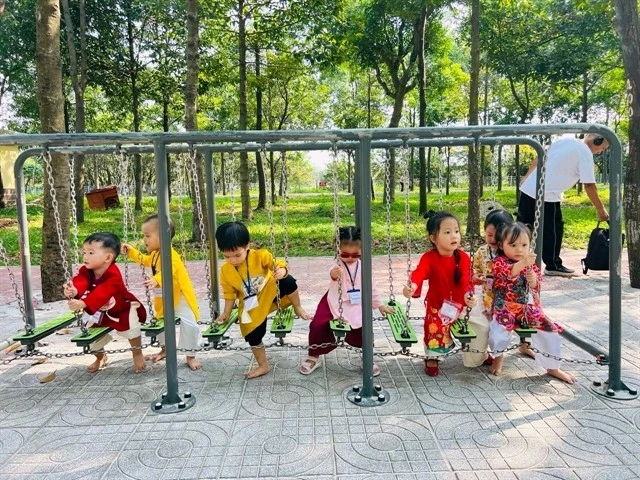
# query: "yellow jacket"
{"points": [[233, 281], [182, 286]]}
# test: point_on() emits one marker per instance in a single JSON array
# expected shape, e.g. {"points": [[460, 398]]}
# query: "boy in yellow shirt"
{"points": [[253, 277], [185, 303]]}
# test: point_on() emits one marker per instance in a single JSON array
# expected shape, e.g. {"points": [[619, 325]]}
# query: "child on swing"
{"points": [[99, 290], [254, 278], [516, 290], [447, 269], [345, 281], [483, 276], [185, 303]]}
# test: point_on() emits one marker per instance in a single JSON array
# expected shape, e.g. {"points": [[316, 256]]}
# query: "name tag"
{"points": [[449, 311], [355, 296], [157, 292], [250, 302]]}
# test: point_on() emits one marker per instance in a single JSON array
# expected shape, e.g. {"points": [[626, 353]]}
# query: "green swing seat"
{"points": [[403, 332], [45, 329]]}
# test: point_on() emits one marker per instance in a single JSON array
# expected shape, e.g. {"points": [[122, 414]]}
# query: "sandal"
{"points": [[309, 365]]}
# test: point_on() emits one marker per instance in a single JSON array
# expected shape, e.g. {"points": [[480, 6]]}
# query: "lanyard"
{"points": [[247, 284], [355, 275], [154, 261]]}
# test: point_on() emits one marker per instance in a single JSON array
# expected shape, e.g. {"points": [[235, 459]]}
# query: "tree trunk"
{"points": [[51, 107], [192, 54], [422, 115], [473, 204], [135, 108], [262, 195], [79, 82], [245, 198], [448, 171], [628, 26]]}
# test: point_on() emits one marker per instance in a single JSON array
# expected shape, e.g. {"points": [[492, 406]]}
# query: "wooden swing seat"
{"points": [[45, 329], [403, 332], [282, 322]]}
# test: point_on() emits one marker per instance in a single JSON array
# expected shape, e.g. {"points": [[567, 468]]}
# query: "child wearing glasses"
{"points": [[254, 278], [345, 281]]}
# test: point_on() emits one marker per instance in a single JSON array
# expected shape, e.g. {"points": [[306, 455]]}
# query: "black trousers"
{"points": [[286, 286], [553, 228]]}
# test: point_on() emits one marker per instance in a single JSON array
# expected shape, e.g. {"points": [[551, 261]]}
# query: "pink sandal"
{"points": [[310, 365]]}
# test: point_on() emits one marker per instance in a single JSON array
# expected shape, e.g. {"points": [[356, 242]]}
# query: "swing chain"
{"points": [[74, 208], [336, 221], [123, 165], [203, 235], [407, 223], [285, 218], [5, 259], [231, 186], [539, 202], [387, 205], [440, 192], [46, 156]]}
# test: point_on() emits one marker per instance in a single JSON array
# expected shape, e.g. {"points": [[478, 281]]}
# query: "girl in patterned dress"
{"points": [[447, 269], [516, 291]]}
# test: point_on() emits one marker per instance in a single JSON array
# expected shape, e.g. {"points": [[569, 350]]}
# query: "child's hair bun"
{"points": [[429, 213]]}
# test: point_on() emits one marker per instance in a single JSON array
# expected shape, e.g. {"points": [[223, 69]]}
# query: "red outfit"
{"points": [[108, 292], [439, 272]]}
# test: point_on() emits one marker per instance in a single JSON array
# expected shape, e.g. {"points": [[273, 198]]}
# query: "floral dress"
{"points": [[514, 300]]}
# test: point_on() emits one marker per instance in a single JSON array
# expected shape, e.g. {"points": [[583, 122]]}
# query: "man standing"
{"points": [[569, 161]]}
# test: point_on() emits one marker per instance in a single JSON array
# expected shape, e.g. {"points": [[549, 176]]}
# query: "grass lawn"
{"points": [[309, 226]]}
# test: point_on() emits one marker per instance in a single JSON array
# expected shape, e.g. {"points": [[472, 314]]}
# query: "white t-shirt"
{"points": [[569, 161]]}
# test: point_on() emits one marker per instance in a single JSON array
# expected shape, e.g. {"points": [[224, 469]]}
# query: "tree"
{"points": [[78, 70], [51, 103], [473, 200], [191, 110], [628, 25]]}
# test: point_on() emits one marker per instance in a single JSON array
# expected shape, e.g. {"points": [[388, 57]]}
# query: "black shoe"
{"points": [[560, 271]]}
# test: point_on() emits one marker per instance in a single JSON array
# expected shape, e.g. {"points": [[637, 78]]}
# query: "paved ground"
{"points": [[464, 424]]}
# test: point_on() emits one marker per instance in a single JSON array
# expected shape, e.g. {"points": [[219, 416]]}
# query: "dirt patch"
{"points": [[7, 222]]}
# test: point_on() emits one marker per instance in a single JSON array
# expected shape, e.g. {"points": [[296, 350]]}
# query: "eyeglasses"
{"points": [[350, 255]]}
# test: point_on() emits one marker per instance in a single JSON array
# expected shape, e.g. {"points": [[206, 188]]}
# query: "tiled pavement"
{"points": [[464, 424]]}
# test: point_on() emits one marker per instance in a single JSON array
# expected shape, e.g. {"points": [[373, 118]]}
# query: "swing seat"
{"points": [[339, 329], [215, 333], [525, 333], [282, 322], [93, 334], [457, 331], [45, 329], [403, 332], [153, 330]]}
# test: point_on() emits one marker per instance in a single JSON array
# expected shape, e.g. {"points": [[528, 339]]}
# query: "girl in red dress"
{"points": [[447, 269]]}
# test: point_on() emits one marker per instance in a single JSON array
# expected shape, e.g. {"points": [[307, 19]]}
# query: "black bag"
{"points": [[598, 250]]}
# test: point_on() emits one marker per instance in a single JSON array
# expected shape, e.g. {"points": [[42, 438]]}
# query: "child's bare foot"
{"points": [[159, 356], [259, 371], [525, 350], [301, 313], [194, 363], [564, 376], [496, 367], [139, 362], [99, 364]]}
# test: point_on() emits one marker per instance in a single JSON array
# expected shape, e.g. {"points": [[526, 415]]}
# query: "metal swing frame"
{"points": [[363, 140]]}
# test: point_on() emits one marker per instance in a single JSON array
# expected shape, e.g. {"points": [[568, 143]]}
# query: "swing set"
{"points": [[360, 141]]}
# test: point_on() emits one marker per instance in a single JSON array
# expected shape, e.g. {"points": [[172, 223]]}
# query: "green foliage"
{"points": [[310, 222]]}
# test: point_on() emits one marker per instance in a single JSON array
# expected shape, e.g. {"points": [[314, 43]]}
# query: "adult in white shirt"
{"points": [[569, 161]]}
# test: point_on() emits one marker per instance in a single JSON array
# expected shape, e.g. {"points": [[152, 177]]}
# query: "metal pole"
{"points": [[23, 232], [614, 386], [357, 173], [170, 401], [211, 212], [368, 395]]}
